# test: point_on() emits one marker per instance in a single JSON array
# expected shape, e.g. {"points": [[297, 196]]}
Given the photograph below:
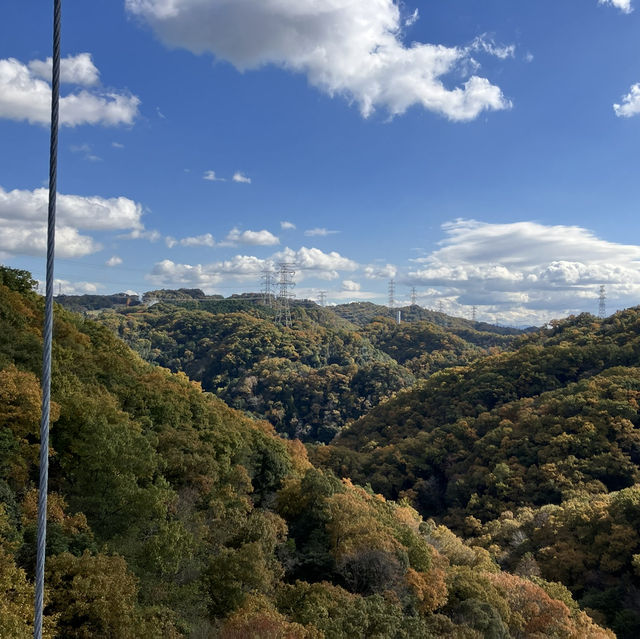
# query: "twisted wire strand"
{"points": [[48, 329]]}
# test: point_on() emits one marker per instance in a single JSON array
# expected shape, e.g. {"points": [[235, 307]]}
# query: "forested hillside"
{"points": [[308, 380], [532, 453], [172, 515]]}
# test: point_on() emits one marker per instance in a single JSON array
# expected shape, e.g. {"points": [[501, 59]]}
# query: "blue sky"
{"points": [[473, 150]]}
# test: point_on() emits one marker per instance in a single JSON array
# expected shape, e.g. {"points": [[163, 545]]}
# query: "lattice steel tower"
{"points": [[392, 293], [268, 277], [414, 296], [474, 312], [283, 315], [323, 298], [602, 305]]}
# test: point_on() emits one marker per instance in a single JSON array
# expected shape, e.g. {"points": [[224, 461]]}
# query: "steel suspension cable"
{"points": [[48, 329]]}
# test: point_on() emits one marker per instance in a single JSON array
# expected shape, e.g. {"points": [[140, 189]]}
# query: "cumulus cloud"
{"points": [[253, 238], [114, 261], [78, 69], [630, 103], [319, 232], [623, 5], [352, 48], [23, 218], [65, 287], [313, 260], [24, 95], [350, 285], [287, 226], [212, 177], [377, 272], [243, 268], [241, 178], [528, 270], [207, 276], [200, 240]]}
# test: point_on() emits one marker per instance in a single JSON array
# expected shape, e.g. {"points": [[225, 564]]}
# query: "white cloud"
{"points": [[488, 45], [254, 238], [23, 221], [243, 268], [321, 264], [241, 178], [319, 232], [375, 272], [141, 234], [23, 217], [114, 261], [630, 103], [18, 238], [25, 96], [623, 5], [212, 177], [350, 285], [65, 287], [78, 69], [200, 240], [207, 276], [352, 48], [85, 149], [287, 226], [85, 212], [412, 19], [117, 145], [526, 272]]}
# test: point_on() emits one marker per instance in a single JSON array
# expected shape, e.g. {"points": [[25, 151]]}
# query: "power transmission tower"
{"points": [[323, 298], [602, 306], [440, 307], [392, 293], [283, 315], [474, 311], [414, 296], [267, 287]]}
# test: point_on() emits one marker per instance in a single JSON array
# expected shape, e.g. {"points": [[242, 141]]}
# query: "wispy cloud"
{"points": [[200, 240], [287, 226], [241, 178], [212, 177], [114, 261], [319, 232]]}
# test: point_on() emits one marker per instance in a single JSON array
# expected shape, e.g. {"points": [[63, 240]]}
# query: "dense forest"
{"points": [[174, 515], [532, 454], [308, 380]]}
